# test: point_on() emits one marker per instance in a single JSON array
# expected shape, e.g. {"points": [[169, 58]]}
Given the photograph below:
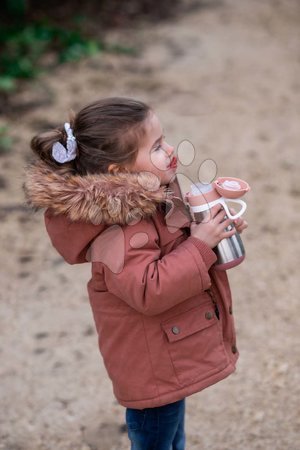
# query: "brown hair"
{"points": [[107, 132]]}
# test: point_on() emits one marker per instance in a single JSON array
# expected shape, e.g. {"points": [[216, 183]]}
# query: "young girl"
{"points": [[162, 312]]}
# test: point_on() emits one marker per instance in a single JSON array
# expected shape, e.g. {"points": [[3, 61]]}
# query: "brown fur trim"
{"points": [[104, 198]]}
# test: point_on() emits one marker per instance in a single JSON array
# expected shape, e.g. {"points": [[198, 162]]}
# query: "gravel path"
{"points": [[225, 76]]}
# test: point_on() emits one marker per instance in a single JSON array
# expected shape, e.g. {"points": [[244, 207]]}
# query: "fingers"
{"points": [[219, 219], [227, 234], [216, 228], [241, 226], [217, 210], [239, 223], [225, 223]]}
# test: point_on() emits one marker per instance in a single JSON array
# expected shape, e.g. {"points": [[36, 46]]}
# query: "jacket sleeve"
{"points": [[152, 284]]}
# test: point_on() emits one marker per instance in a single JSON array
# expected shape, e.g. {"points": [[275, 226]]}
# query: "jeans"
{"points": [[160, 428]]}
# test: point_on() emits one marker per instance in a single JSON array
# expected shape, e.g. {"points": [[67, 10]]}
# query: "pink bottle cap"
{"points": [[230, 187]]}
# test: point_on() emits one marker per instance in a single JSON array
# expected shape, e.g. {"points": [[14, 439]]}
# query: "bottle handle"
{"points": [[238, 214]]}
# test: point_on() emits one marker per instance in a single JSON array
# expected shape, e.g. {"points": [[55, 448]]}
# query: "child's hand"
{"points": [[213, 231], [239, 223]]}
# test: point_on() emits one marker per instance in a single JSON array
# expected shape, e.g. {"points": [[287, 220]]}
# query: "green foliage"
{"points": [[35, 36], [22, 49], [7, 84], [5, 140]]}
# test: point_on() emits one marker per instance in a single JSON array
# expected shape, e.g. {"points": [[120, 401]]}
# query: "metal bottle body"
{"points": [[230, 251]]}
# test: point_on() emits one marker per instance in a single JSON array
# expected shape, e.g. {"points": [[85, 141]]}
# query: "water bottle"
{"points": [[202, 197]]}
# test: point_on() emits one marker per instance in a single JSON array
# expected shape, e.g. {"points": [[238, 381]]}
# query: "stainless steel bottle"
{"points": [[203, 197], [230, 251]]}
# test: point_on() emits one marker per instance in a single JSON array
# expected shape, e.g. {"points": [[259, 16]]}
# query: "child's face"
{"points": [[155, 154]]}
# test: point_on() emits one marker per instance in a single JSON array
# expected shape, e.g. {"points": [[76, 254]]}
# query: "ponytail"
{"points": [[107, 132], [42, 145]]}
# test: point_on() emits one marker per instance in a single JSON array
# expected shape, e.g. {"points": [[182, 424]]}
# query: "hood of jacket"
{"points": [[105, 199], [78, 207]]}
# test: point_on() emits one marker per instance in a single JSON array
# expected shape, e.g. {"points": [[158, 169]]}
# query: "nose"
{"points": [[169, 149]]}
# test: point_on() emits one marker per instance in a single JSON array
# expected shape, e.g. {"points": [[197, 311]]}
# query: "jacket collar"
{"points": [[98, 199]]}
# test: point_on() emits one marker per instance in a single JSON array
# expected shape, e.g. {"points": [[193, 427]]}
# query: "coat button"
{"points": [[209, 315], [175, 330], [234, 349], [230, 309]]}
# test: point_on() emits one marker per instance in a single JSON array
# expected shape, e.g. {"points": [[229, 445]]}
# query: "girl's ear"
{"points": [[115, 168]]}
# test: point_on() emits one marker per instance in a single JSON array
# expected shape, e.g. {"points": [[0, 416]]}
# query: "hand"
{"points": [[213, 231], [239, 223]]}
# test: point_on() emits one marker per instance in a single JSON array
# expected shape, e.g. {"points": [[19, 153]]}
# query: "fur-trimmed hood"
{"points": [[98, 199], [79, 208]]}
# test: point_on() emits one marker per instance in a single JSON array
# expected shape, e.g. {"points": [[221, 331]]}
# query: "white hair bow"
{"points": [[62, 154]]}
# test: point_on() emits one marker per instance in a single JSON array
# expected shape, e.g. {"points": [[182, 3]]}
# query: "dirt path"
{"points": [[226, 77]]}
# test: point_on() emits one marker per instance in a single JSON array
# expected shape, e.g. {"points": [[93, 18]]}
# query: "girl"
{"points": [[162, 312]]}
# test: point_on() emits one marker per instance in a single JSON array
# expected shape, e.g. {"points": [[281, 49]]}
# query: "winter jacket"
{"points": [[162, 311]]}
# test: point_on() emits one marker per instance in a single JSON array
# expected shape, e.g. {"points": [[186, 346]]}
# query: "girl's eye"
{"points": [[160, 146]]}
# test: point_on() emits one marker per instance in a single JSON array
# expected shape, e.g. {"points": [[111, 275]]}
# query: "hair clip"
{"points": [[62, 154]]}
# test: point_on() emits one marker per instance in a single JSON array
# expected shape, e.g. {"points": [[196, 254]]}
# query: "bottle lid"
{"points": [[230, 187], [231, 184]]}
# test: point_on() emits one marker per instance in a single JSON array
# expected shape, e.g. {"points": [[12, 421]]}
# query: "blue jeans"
{"points": [[160, 428]]}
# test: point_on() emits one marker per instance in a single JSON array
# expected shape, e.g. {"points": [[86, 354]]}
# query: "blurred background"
{"points": [[221, 74]]}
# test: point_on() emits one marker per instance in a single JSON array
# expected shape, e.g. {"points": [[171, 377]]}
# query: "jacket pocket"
{"points": [[195, 344]]}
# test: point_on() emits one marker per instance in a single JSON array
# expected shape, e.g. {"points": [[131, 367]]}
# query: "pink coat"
{"points": [[163, 313]]}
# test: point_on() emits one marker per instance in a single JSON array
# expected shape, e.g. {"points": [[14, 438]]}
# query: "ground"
{"points": [[224, 76]]}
